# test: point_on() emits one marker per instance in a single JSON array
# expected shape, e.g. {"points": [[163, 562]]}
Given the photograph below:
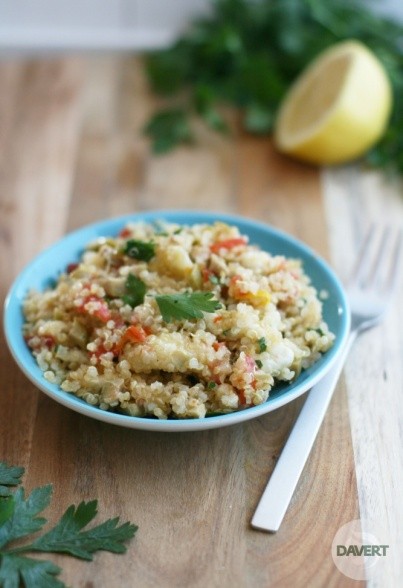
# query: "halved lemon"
{"points": [[338, 107]]}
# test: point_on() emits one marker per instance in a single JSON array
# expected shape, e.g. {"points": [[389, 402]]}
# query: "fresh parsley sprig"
{"points": [[187, 305], [262, 344], [142, 250], [246, 54], [19, 518], [168, 129], [135, 291]]}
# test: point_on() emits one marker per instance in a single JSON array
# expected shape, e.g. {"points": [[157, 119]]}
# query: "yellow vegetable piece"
{"points": [[259, 298], [338, 107]]}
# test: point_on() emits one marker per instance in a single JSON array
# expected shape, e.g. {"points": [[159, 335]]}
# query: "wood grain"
{"points": [[288, 195], [39, 119], [83, 158], [375, 400], [281, 192]]}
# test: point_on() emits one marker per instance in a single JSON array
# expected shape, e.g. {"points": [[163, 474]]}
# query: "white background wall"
{"points": [[137, 24], [37, 24]]}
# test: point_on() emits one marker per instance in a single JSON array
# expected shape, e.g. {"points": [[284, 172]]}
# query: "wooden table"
{"points": [[71, 152]]}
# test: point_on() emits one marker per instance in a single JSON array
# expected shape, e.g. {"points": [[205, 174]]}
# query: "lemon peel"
{"points": [[337, 108]]}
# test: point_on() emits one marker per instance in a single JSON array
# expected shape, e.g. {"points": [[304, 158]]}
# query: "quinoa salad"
{"points": [[173, 321]]}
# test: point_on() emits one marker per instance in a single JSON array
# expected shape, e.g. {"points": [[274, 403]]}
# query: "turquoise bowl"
{"points": [[48, 265]]}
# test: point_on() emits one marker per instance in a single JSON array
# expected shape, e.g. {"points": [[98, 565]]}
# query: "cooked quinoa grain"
{"points": [[176, 321]]}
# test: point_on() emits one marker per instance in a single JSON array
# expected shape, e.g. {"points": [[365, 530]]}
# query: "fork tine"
{"points": [[393, 271], [361, 262]]}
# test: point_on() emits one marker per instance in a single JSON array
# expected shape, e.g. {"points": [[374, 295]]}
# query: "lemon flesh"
{"points": [[338, 107]]}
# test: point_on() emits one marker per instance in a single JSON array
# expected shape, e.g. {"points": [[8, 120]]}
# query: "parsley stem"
{"points": [[21, 549]]}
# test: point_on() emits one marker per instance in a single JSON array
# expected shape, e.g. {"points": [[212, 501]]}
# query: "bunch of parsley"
{"points": [[246, 53], [19, 518]]}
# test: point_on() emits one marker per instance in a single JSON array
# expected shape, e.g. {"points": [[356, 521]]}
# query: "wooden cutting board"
{"points": [[71, 153]]}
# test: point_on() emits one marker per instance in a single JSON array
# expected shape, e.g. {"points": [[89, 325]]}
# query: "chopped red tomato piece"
{"points": [[102, 311], [71, 267], [47, 341], [209, 276], [206, 273], [218, 344], [100, 350], [125, 233], [136, 334], [234, 289], [118, 320], [133, 334], [227, 244], [241, 396]]}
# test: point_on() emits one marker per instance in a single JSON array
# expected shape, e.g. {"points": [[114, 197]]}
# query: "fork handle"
{"points": [[284, 479]]}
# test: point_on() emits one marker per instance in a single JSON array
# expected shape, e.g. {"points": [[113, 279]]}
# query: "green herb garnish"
{"points": [[168, 129], [9, 476], [259, 363], [19, 519], [142, 250], [262, 344], [136, 290], [211, 385], [188, 305], [247, 54], [214, 279], [319, 331]]}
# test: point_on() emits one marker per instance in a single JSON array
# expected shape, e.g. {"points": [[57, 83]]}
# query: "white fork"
{"points": [[369, 290]]}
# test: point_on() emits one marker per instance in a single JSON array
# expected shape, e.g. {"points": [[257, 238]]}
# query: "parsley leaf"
{"points": [[262, 344], [247, 54], [188, 305], [258, 120], [23, 519], [136, 290], [9, 476], [32, 573], [67, 536], [6, 510], [142, 250], [168, 129], [19, 518], [204, 99]]}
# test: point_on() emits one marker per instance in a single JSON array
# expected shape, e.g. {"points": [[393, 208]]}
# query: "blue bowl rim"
{"points": [[173, 425]]}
